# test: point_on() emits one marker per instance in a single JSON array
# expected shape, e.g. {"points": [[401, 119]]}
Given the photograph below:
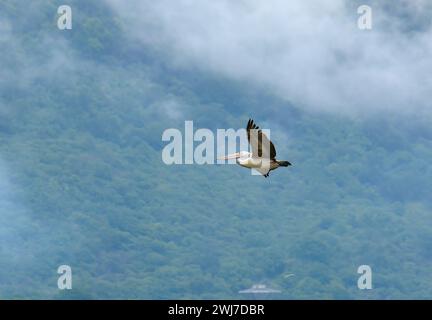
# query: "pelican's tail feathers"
{"points": [[283, 163]]}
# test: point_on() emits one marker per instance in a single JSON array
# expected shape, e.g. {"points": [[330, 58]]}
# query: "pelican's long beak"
{"points": [[230, 156]]}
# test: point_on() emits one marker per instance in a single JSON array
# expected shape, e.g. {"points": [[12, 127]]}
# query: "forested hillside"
{"points": [[82, 113]]}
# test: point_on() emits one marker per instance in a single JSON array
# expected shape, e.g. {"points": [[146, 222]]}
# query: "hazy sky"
{"points": [[308, 52]]}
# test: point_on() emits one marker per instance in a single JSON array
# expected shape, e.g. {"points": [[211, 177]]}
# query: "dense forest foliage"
{"points": [[82, 183]]}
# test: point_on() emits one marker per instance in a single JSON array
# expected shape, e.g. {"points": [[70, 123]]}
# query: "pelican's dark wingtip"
{"points": [[250, 124]]}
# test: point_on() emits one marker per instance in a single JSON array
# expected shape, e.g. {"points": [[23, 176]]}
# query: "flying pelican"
{"points": [[263, 155]]}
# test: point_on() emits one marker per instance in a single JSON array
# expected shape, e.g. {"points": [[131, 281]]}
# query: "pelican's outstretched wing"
{"points": [[260, 144]]}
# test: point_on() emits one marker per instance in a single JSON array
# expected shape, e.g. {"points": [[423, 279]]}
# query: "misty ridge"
{"points": [[82, 183], [309, 53]]}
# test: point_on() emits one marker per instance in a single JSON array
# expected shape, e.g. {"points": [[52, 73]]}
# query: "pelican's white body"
{"points": [[262, 165]]}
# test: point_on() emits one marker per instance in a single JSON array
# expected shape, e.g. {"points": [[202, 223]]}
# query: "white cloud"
{"points": [[308, 52], [170, 107]]}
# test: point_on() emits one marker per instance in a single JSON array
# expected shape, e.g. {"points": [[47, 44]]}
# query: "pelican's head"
{"points": [[245, 154]]}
